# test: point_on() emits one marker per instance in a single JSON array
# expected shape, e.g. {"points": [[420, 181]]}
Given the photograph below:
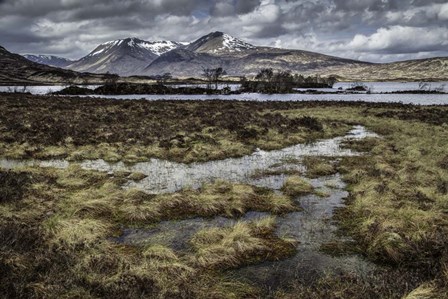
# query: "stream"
{"points": [[311, 227]]}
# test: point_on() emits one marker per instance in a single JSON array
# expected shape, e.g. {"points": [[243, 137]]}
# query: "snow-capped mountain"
{"points": [[219, 43], [238, 57], [49, 60], [124, 56], [160, 47]]}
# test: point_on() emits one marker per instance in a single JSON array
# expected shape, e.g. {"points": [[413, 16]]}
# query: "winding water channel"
{"points": [[311, 227]]}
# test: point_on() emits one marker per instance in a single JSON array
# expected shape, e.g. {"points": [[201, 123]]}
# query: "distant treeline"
{"points": [[268, 81]]}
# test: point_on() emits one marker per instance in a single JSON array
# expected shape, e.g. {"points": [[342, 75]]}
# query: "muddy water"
{"points": [[311, 227]]}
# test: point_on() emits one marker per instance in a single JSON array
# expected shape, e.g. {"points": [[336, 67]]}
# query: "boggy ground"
{"points": [[57, 226], [131, 131]]}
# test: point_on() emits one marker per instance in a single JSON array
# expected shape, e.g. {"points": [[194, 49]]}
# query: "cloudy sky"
{"points": [[371, 30]]}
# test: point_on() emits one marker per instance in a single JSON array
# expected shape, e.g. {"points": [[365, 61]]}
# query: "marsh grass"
{"points": [[370, 285], [182, 131], [241, 244], [318, 166], [222, 198], [296, 186], [56, 231], [55, 225]]}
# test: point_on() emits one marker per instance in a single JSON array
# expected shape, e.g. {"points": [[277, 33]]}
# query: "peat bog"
{"points": [[62, 230]]}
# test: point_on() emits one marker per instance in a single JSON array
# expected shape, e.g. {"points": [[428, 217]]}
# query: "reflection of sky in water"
{"points": [[166, 177]]}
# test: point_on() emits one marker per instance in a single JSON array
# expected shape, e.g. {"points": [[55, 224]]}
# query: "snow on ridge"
{"points": [[234, 44], [157, 47]]}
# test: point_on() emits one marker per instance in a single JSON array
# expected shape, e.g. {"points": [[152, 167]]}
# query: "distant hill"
{"points": [[16, 69], [430, 69], [49, 60]]}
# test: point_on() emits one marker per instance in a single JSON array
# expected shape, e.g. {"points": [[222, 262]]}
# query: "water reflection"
{"points": [[167, 177]]}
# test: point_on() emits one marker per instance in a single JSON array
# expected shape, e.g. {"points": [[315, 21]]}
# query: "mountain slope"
{"points": [[218, 43], [124, 57], [49, 60], [237, 57], [16, 69]]}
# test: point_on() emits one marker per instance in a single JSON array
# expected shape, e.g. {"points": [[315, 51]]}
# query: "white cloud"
{"points": [[401, 39], [443, 12]]}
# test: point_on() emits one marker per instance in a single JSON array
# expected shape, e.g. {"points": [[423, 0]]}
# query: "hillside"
{"points": [[49, 60], [240, 58], [123, 57], [15, 69]]}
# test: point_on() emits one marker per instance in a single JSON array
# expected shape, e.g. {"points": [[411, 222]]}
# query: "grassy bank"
{"points": [[59, 226], [58, 230]]}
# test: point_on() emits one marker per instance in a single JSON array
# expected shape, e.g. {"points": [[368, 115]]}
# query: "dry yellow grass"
{"points": [[296, 186]]}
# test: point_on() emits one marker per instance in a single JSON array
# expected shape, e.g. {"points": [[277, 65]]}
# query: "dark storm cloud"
{"points": [[245, 6], [362, 5], [365, 29]]}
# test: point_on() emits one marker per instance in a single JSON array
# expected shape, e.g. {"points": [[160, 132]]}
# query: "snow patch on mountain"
{"points": [[160, 47], [156, 47], [234, 44]]}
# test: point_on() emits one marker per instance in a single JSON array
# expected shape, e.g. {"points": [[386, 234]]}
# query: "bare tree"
{"points": [[217, 73], [212, 76], [164, 78], [208, 74]]}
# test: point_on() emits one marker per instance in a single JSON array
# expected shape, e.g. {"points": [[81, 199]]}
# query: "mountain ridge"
{"points": [[123, 56], [51, 60], [137, 57]]}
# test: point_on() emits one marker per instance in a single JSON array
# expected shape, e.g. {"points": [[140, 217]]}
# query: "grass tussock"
{"points": [[242, 243], [296, 186], [318, 166], [222, 198]]}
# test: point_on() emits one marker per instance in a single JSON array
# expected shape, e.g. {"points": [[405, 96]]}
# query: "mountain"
{"points": [[237, 57], [16, 69], [124, 56], [133, 56], [219, 43], [49, 60]]}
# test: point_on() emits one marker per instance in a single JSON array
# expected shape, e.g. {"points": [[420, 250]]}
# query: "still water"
{"points": [[376, 87], [311, 227]]}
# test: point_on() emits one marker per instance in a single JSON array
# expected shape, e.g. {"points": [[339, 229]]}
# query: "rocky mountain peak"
{"points": [[219, 42]]}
